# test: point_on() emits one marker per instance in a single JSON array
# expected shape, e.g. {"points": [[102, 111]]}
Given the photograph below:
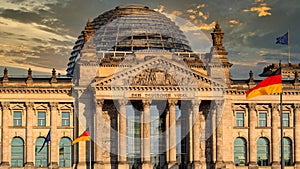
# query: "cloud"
{"points": [[262, 10], [200, 6]]}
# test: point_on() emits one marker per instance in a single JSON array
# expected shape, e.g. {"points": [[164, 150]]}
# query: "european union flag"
{"points": [[47, 139], [284, 40]]}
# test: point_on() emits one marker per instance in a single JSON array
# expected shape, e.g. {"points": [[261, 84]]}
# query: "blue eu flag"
{"points": [[284, 40], [47, 139]]}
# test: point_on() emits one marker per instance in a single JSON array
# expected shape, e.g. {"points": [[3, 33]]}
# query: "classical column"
{"points": [[185, 132], [146, 161], [29, 135], [167, 124], [122, 164], [172, 133], [297, 134], [275, 135], [98, 133], [219, 129], [54, 136], [251, 135], [196, 134], [6, 140]]}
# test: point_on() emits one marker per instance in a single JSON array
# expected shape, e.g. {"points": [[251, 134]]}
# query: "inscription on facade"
{"points": [[160, 95]]}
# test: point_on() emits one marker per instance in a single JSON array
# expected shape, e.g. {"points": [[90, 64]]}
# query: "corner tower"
{"points": [[218, 64]]}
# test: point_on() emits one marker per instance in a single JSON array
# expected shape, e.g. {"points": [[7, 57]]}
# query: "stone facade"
{"points": [[148, 109]]}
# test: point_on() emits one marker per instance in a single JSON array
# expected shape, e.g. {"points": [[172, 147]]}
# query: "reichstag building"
{"points": [[149, 102]]}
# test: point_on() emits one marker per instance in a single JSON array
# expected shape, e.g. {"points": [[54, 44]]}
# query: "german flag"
{"points": [[85, 136], [272, 84]]}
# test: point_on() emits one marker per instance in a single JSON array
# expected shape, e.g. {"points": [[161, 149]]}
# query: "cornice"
{"points": [[156, 88], [293, 92], [34, 91]]}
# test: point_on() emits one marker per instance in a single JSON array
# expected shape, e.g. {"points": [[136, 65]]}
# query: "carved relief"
{"points": [[153, 77]]}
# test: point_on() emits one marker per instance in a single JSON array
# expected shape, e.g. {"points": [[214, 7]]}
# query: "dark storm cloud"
{"points": [[16, 1], [21, 16], [50, 57]]}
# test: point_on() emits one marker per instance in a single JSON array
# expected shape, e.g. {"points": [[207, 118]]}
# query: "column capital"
{"points": [[196, 103], [99, 102], [296, 106], [172, 102], [275, 106], [29, 105], [252, 106], [122, 102], [146, 103], [5, 105], [275, 109], [53, 105]]}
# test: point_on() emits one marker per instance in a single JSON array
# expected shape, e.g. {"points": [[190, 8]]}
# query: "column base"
{"points": [[147, 165], [123, 165], [4, 165], [297, 165], [189, 165], [98, 165], [29, 165], [197, 165], [173, 165], [253, 165], [82, 165], [220, 165], [276, 165], [54, 165]]}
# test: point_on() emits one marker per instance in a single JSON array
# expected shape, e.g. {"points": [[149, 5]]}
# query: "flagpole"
{"points": [[50, 150], [289, 48], [90, 153], [281, 128]]}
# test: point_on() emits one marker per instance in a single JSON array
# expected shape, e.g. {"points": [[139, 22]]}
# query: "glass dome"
{"points": [[132, 28]]}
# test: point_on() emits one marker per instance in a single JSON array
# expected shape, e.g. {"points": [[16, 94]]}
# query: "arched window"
{"points": [[65, 152], [240, 147], [263, 152], [287, 151], [17, 152], [41, 155]]}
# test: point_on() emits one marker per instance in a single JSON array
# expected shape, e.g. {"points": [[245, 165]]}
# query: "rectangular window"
{"points": [[65, 118], [41, 118], [17, 118], [239, 118], [263, 119], [286, 119]]}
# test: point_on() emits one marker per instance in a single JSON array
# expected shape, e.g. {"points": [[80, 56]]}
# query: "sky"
{"points": [[40, 34]]}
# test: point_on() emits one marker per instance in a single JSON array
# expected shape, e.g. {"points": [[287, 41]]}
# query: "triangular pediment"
{"points": [[159, 71]]}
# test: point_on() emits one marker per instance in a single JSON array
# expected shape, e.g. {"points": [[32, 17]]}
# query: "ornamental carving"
{"points": [[146, 103], [296, 106], [252, 106], [172, 102], [153, 77]]}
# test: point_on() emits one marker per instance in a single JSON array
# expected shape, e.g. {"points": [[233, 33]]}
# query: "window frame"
{"points": [[64, 120], [65, 156], [21, 153], [265, 118], [17, 121], [40, 119], [244, 152], [42, 154], [287, 148], [263, 162], [288, 119], [238, 120]]}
